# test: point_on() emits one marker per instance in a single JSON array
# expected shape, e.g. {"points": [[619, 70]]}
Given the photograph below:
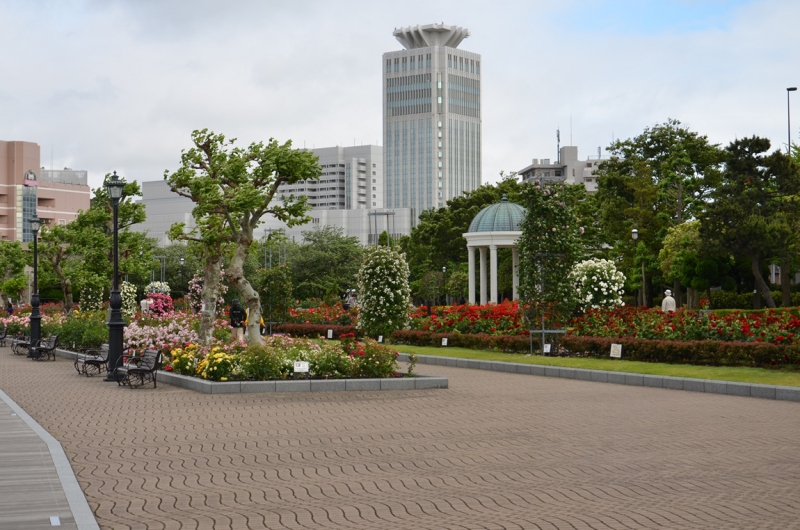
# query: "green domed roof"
{"points": [[501, 217]]}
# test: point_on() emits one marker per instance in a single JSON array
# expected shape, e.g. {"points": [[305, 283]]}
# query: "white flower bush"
{"points": [[157, 288], [598, 284], [384, 296], [128, 292], [91, 298]]}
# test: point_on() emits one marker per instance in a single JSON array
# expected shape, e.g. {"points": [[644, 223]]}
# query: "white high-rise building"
{"points": [[431, 118], [352, 179]]}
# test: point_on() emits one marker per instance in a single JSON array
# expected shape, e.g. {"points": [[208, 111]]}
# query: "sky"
{"points": [[119, 85]]}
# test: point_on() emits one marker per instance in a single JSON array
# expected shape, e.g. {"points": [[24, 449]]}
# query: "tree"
{"points": [[658, 179], [326, 264], [749, 209], [233, 189], [12, 266]]}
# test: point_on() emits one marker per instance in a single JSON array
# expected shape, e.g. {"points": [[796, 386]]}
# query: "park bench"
{"points": [[21, 344], [45, 349], [138, 370], [92, 361]]}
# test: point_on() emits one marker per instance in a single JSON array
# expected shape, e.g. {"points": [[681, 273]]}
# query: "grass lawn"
{"points": [[737, 374]]}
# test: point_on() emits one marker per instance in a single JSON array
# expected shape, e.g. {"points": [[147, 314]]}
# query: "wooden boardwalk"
{"points": [[30, 491]]}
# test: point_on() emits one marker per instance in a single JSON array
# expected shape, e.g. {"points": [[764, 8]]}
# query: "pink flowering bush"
{"points": [[160, 303]]}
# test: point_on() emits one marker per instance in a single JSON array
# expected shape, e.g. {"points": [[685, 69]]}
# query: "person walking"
{"points": [[238, 316], [10, 308], [668, 304]]}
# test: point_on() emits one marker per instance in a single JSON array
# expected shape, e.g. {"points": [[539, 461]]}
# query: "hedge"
{"points": [[702, 352], [313, 330], [726, 300], [477, 341]]}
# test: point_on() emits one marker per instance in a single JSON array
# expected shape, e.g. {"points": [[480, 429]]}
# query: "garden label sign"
{"points": [[301, 367], [616, 351], [330, 333], [547, 348], [380, 338], [444, 341]]}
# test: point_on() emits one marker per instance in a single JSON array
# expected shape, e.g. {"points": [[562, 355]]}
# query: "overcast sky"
{"points": [[108, 85]]}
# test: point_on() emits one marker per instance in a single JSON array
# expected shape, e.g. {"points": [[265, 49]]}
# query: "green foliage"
{"points": [[83, 330], [752, 208], [384, 296], [549, 247], [233, 188], [327, 262], [656, 180], [262, 363], [12, 264]]}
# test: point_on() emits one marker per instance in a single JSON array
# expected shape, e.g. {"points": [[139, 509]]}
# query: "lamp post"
{"points": [[789, 118], [36, 317], [635, 236], [444, 284], [116, 325]]}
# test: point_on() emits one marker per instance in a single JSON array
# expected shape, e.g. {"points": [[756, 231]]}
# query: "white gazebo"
{"points": [[496, 226]]}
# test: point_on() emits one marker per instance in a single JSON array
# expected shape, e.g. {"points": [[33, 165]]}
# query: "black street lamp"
{"points": [[116, 325], [444, 284], [635, 236], [789, 118], [36, 316]]}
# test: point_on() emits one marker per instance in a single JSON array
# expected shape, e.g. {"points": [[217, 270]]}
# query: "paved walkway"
{"points": [[495, 451]]}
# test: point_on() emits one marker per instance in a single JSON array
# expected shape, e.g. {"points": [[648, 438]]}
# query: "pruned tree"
{"points": [[233, 188]]}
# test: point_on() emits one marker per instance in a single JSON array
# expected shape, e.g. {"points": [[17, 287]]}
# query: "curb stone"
{"points": [[419, 382], [779, 393]]}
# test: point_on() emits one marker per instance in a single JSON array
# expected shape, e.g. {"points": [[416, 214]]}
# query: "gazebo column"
{"points": [[515, 269], [483, 275], [471, 261], [493, 272]]}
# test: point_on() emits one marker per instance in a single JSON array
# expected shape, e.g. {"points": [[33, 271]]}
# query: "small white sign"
{"points": [[301, 367], [444, 341], [616, 351], [547, 347], [330, 333], [380, 338]]}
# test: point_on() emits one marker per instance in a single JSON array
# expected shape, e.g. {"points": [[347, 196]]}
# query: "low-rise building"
{"points": [[27, 189], [567, 167]]}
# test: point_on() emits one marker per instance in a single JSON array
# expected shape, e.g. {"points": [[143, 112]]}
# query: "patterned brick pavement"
{"points": [[495, 451]]}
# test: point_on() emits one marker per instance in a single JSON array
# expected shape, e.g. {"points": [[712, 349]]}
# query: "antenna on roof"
{"points": [[558, 145]]}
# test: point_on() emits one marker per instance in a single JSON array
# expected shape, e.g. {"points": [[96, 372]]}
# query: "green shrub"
{"points": [[477, 341], [702, 352], [262, 362], [86, 330]]}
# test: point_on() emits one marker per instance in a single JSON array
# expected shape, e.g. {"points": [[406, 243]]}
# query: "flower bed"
{"points": [[776, 326], [274, 360], [492, 319], [478, 341], [324, 314], [313, 330]]}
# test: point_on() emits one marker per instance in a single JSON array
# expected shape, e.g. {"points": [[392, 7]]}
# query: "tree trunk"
{"points": [[66, 284], [235, 276], [210, 296], [786, 281], [676, 293], [691, 298], [755, 266]]}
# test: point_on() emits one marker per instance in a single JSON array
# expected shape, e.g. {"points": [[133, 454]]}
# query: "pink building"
{"points": [[27, 189]]}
